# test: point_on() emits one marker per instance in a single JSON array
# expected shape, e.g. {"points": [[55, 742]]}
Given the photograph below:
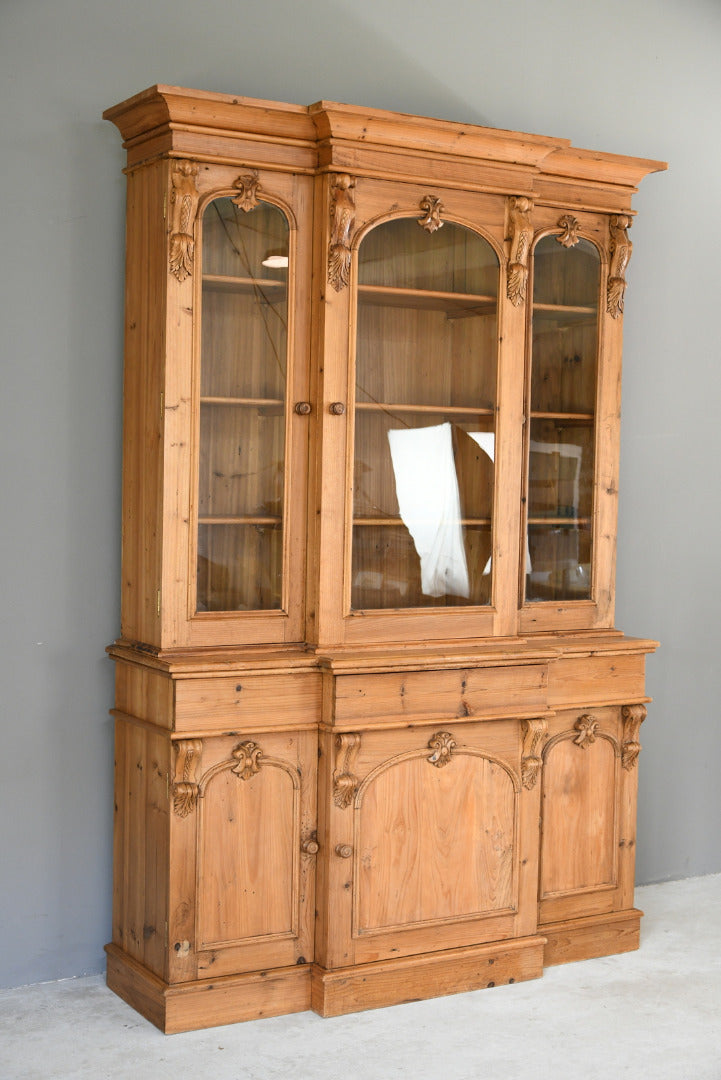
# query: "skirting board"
{"points": [[415, 978], [595, 935]]}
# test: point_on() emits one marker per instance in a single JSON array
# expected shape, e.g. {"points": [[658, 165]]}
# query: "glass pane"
{"points": [[242, 407], [426, 362], [562, 415]]}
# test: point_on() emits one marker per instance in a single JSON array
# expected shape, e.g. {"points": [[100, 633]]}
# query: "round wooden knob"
{"points": [[310, 847], [302, 408], [337, 408], [344, 850]]}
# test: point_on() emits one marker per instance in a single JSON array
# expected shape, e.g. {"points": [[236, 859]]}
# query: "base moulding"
{"points": [[592, 936]]}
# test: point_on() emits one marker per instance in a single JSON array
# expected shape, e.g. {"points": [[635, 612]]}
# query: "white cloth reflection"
{"points": [[430, 506]]}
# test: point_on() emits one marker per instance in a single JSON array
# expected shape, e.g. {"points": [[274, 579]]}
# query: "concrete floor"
{"points": [[654, 1014]]}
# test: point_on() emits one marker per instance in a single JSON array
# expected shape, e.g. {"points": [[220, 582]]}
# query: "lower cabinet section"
{"points": [[375, 850]]}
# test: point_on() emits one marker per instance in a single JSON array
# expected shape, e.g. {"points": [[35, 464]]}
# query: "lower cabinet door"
{"points": [[588, 813], [432, 841], [243, 847]]}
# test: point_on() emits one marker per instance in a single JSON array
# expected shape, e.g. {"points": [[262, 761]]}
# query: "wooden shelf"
{"points": [[229, 283], [440, 410], [400, 521], [247, 401], [452, 303], [564, 309], [560, 521], [239, 520], [578, 418]]}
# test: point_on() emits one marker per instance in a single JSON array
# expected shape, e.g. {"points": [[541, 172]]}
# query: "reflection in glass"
{"points": [[426, 356], [242, 407], [562, 427]]}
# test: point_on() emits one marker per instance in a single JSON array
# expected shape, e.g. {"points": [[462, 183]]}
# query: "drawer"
{"points": [[589, 680], [443, 694], [258, 701]]}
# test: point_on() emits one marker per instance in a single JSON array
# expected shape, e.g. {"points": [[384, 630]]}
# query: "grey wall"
{"points": [[632, 76]]}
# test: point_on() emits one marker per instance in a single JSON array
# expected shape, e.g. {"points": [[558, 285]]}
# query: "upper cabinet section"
{"points": [[372, 375]]}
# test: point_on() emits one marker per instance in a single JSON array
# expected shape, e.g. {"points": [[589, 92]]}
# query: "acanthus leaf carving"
{"points": [[247, 760], [534, 732], [185, 786], [183, 200], [248, 188], [431, 209], [519, 213], [342, 221], [620, 248], [345, 782], [587, 728], [442, 744], [570, 226], [633, 716]]}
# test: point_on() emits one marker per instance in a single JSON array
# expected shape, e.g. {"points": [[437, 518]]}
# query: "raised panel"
{"points": [[434, 844], [579, 815]]}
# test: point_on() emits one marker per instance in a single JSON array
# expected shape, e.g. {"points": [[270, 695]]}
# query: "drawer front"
{"points": [[464, 693], [237, 702], [586, 680]]}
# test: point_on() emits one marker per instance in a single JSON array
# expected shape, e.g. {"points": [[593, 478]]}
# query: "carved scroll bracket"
{"points": [[633, 716], [248, 188], [345, 782], [569, 236], [620, 248], [185, 786], [183, 201], [587, 728], [519, 213], [442, 744], [534, 732], [431, 209], [247, 757], [342, 221]]}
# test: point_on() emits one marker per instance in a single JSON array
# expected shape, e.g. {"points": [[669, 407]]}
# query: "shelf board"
{"points": [[439, 410], [560, 521], [248, 401], [452, 303], [230, 283], [239, 520], [583, 418], [400, 521]]}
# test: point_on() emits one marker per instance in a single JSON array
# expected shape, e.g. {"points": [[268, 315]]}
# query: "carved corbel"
{"points": [[587, 727], [442, 744], [431, 209], [185, 786], [345, 782], [633, 717], [247, 760], [569, 237], [342, 220], [248, 188], [519, 213], [534, 732], [620, 248], [183, 200]]}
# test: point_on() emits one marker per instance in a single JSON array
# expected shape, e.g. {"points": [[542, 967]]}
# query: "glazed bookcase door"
{"points": [[428, 473], [571, 431], [241, 546], [431, 841], [242, 890]]}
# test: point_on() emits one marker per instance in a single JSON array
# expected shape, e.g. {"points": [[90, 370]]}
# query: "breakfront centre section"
{"points": [[376, 734]]}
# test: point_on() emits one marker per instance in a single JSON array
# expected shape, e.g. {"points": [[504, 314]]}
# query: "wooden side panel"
{"points": [[145, 293], [141, 845], [145, 693]]}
